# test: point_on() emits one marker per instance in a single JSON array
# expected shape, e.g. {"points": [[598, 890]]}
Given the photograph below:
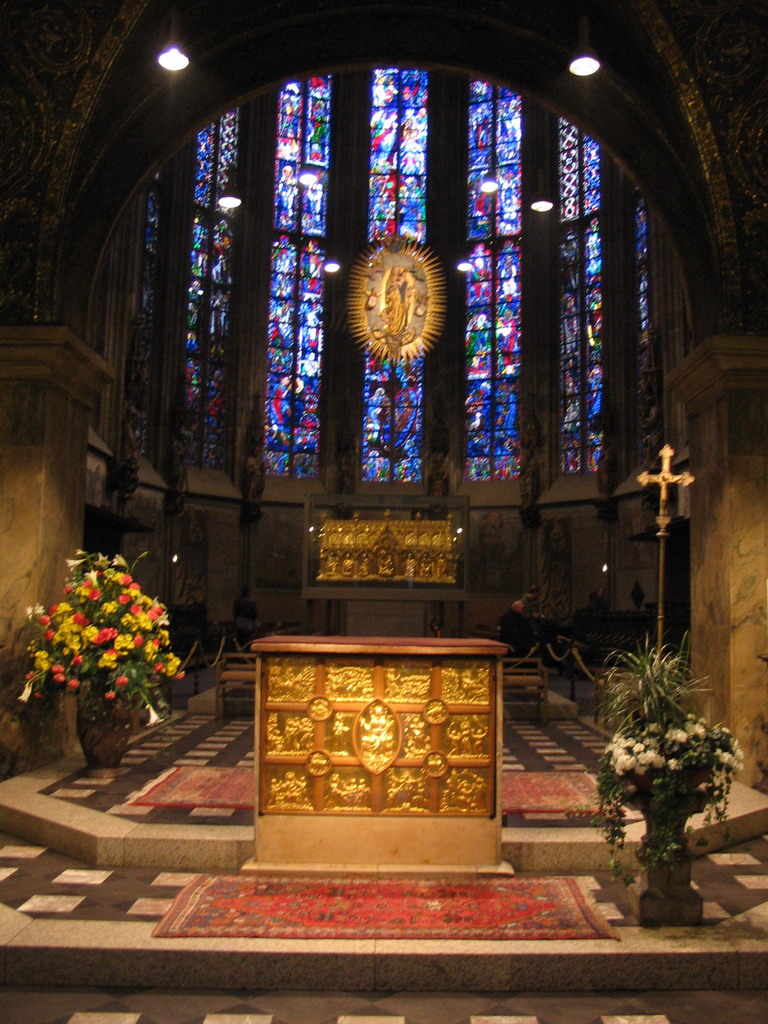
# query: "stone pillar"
{"points": [[49, 382], [724, 385]]}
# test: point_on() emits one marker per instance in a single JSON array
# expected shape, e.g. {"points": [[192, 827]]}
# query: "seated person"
{"points": [[515, 630]]}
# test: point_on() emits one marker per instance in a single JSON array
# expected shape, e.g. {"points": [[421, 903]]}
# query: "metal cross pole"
{"points": [[663, 479]]}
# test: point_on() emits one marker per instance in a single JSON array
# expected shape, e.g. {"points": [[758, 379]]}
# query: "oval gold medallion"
{"points": [[377, 736]]}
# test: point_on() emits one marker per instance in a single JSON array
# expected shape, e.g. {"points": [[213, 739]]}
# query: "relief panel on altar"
{"points": [[378, 736]]}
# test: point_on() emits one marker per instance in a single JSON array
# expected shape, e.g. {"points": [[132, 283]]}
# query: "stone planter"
{"points": [[664, 895]]}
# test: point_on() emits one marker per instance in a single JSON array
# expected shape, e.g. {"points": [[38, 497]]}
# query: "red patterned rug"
{"points": [[381, 907], [555, 792], [190, 786]]}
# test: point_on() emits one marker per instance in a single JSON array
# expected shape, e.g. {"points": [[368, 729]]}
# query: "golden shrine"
{"points": [[372, 750], [387, 550]]}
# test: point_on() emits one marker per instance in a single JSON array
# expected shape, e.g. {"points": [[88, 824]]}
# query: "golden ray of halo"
{"points": [[396, 302]]}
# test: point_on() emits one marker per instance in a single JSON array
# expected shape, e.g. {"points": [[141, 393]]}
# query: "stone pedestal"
{"points": [[724, 385], [664, 896]]}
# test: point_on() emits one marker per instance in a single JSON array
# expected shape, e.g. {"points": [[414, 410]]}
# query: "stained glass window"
{"points": [[295, 332], [492, 340], [208, 294], [393, 393], [641, 265], [142, 348], [581, 316]]}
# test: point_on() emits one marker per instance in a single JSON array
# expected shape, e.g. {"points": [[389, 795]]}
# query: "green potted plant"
{"points": [[667, 762], [107, 644]]}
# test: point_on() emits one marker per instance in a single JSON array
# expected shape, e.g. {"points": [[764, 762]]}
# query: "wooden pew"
{"points": [[235, 672], [526, 677]]}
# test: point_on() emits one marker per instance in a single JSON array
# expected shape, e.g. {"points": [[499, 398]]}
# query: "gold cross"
{"points": [[664, 479]]}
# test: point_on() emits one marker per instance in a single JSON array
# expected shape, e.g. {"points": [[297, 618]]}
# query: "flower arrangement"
{"points": [[105, 641], [663, 759]]}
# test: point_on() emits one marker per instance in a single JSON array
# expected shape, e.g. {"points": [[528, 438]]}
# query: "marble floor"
{"points": [[51, 888], [156, 1006]]}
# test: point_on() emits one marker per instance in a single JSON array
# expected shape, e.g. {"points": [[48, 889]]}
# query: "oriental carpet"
{"points": [[556, 792], [301, 906], [522, 792]]}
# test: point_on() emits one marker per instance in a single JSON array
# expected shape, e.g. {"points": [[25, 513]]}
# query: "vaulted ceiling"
{"points": [[87, 115]]}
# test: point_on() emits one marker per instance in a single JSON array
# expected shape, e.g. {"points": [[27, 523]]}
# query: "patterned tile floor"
{"points": [[115, 1006], [43, 883]]}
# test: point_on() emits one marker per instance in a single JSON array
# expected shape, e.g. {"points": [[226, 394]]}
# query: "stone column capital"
{"points": [[53, 355], [722, 363]]}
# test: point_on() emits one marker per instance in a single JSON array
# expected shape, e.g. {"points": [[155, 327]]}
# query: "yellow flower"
{"points": [[43, 661], [171, 665], [123, 642], [107, 660]]}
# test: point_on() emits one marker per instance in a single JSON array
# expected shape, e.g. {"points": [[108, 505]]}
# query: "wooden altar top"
{"points": [[434, 647]]}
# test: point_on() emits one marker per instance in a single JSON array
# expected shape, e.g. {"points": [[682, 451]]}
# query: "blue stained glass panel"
{"points": [[393, 394], [295, 331], [581, 320], [492, 356]]}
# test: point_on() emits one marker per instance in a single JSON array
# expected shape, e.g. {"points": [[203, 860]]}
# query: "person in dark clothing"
{"points": [[515, 630], [246, 617]]}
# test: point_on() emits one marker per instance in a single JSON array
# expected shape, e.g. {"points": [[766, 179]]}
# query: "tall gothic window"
{"points": [[295, 331], [581, 314], [492, 340], [141, 350], [393, 393], [641, 265], [208, 295]]}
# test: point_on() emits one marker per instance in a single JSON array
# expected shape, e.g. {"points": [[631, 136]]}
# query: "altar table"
{"points": [[372, 750]]}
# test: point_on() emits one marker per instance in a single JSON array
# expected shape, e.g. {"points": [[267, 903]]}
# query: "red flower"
{"points": [[138, 640], [73, 684], [57, 668], [94, 594], [158, 668], [110, 695], [134, 586], [121, 681], [53, 608], [124, 598], [80, 619], [126, 580], [180, 675], [135, 609], [59, 677], [45, 620], [77, 660], [68, 590], [50, 634]]}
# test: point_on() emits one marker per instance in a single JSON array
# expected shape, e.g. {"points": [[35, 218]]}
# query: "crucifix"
{"points": [[663, 479]]}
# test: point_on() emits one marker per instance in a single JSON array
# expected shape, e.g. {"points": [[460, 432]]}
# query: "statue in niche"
{"points": [[176, 495], [253, 468], [606, 469], [345, 461], [438, 477], [529, 472], [124, 471]]}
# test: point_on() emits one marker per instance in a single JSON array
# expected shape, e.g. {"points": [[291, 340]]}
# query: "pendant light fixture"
{"points": [[585, 61], [172, 56]]}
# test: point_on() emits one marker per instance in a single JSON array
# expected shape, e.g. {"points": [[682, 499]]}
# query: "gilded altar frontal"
{"points": [[375, 735]]}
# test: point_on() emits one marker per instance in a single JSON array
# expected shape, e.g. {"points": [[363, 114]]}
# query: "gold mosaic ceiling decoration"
{"points": [[397, 299]]}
